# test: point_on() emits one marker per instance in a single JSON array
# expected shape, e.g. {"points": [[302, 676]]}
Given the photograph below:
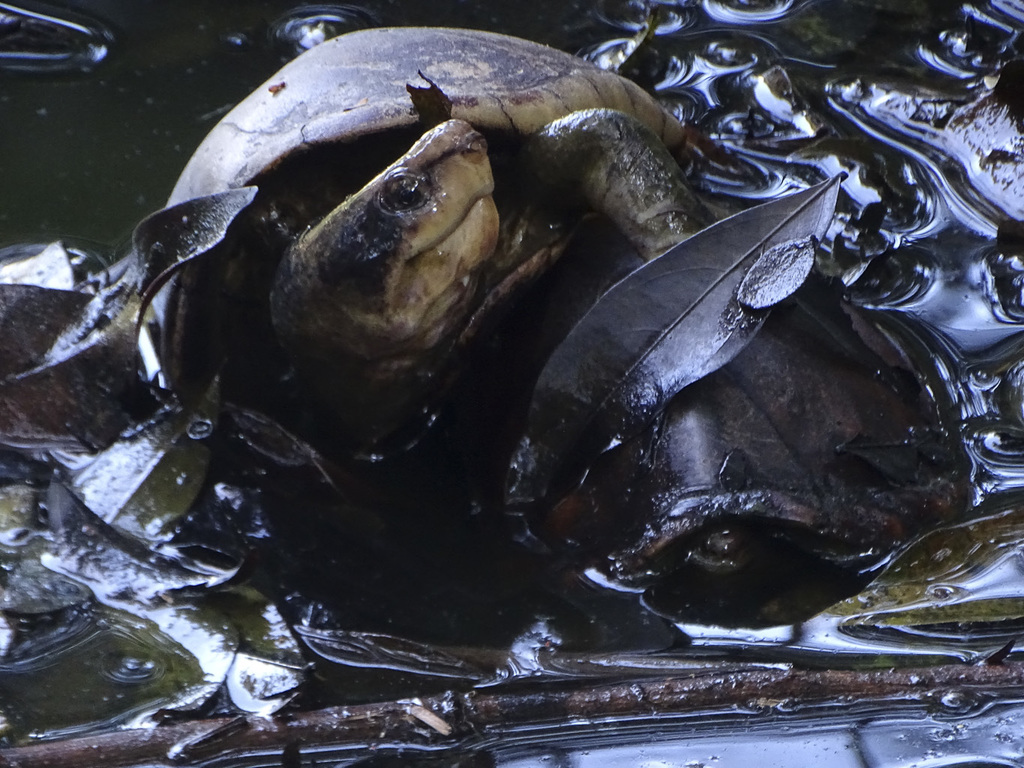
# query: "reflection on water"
{"points": [[961, 733], [33, 41], [989, 739], [798, 92]]}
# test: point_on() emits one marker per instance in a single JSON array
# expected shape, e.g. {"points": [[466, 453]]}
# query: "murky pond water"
{"points": [[432, 591]]}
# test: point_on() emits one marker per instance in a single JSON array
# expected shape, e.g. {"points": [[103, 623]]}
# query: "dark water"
{"points": [[799, 91]]}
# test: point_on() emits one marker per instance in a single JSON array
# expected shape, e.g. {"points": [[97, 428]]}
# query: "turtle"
{"points": [[377, 247]]}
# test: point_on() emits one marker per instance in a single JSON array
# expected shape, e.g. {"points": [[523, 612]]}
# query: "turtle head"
{"points": [[369, 301]]}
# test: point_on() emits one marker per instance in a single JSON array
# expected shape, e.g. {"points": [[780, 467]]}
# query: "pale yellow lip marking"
{"points": [[465, 167], [426, 314]]}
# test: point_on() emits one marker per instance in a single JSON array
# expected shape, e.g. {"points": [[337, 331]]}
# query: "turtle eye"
{"points": [[722, 550], [404, 191]]}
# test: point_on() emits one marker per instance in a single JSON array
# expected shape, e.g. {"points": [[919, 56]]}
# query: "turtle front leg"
{"points": [[610, 162]]}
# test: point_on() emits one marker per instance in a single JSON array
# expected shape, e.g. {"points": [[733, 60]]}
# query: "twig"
{"points": [[461, 719]]}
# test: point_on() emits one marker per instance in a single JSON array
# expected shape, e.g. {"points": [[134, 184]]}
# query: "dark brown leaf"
{"points": [[664, 326], [69, 359], [32, 317], [69, 387], [165, 241]]}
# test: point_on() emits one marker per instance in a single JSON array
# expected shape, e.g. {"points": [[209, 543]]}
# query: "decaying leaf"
{"points": [[33, 317], [376, 650], [237, 636], [664, 326], [116, 567], [231, 637], [124, 633], [110, 668], [269, 667], [735, 506], [69, 389], [430, 102]]}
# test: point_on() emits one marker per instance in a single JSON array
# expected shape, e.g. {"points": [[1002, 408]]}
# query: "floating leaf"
{"points": [[954, 593], [50, 267], [72, 373], [146, 482], [32, 317], [664, 326], [167, 648], [120, 570]]}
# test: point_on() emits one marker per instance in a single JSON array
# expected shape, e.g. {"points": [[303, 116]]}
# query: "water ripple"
{"points": [[306, 26], [36, 42]]}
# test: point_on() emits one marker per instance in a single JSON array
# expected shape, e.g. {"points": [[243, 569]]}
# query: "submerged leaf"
{"points": [[99, 669], [662, 327], [376, 650], [31, 589], [963, 573], [146, 645], [121, 571]]}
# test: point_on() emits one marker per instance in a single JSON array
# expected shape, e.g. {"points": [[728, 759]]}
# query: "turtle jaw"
{"points": [[433, 297]]}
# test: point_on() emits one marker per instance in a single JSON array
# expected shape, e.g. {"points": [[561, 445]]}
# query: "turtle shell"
{"points": [[354, 86], [319, 130]]}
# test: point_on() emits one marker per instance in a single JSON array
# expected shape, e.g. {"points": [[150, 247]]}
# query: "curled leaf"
{"points": [[166, 240], [68, 359]]}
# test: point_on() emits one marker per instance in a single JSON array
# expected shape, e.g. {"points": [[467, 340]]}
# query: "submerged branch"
{"points": [[462, 719]]}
